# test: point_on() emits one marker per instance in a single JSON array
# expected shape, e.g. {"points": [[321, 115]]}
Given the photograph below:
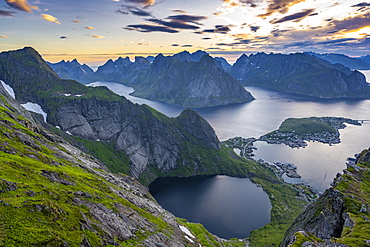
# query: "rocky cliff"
{"points": [[53, 194], [300, 73], [190, 84], [72, 70], [340, 217], [153, 142]]}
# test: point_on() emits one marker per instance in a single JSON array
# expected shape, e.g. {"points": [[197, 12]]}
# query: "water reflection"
{"points": [[228, 207]]}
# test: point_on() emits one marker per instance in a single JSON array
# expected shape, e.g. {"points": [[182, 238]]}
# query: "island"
{"points": [[296, 132]]}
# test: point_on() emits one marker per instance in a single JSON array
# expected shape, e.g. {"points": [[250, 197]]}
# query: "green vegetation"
{"points": [[38, 210], [303, 126], [356, 188]]}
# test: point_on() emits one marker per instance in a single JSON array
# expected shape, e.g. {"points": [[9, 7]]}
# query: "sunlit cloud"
{"points": [[3, 36], [50, 18], [142, 2], [22, 5], [98, 36], [76, 21], [294, 17], [128, 9], [91, 28]]}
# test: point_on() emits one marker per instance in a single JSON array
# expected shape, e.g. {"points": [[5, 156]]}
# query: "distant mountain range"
{"points": [[188, 80], [358, 63], [300, 73]]}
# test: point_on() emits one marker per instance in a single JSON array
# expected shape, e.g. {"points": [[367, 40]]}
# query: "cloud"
{"points": [[127, 9], [6, 13], [175, 45], [91, 28], [63, 37], [50, 18], [3, 36], [179, 11], [254, 28], [146, 3], [223, 29], [187, 46], [76, 21], [21, 5], [361, 5], [146, 28], [352, 23], [294, 17], [187, 18], [174, 24], [206, 38], [280, 6], [97, 36]]}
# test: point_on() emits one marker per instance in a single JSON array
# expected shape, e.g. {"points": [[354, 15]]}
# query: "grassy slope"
{"points": [[304, 126]]}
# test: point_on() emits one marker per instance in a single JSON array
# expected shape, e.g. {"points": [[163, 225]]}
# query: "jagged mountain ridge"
{"points": [[190, 84], [52, 194], [195, 88], [149, 138], [300, 73], [72, 70]]}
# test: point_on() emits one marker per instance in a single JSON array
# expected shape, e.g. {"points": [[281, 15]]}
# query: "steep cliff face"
{"points": [[148, 138], [190, 84], [300, 73], [340, 216], [72, 70], [52, 194]]}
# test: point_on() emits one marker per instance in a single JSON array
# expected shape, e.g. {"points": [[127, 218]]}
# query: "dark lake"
{"points": [[228, 207]]}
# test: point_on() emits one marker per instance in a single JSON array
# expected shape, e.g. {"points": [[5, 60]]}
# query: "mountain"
{"points": [[190, 84], [153, 143], [300, 73], [72, 70], [353, 63], [340, 216], [222, 63], [53, 194], [366, 58], [122, 70]]}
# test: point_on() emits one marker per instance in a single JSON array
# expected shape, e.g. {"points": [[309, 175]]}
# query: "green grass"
{"points": [[304, 126]]}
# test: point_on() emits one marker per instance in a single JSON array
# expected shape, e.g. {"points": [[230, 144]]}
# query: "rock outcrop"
{"points": [[340, 215], [300, 73], [190, 84]]}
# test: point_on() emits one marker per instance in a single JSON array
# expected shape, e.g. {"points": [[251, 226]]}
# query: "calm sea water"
{"points": [[207, 199], [228, 207]]}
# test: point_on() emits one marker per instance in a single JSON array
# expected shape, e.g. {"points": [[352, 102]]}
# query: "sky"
{"points": [[94, 31]]}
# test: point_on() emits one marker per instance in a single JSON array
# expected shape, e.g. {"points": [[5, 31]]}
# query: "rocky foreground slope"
{"points": [[300, 73], [340, 217], [53, 194]]}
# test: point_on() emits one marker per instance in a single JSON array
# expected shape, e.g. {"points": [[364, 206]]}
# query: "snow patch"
{"points": [[57, 127], [69, 133], [186, 231], [35, 108], [189, 239], [8, 88]]}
